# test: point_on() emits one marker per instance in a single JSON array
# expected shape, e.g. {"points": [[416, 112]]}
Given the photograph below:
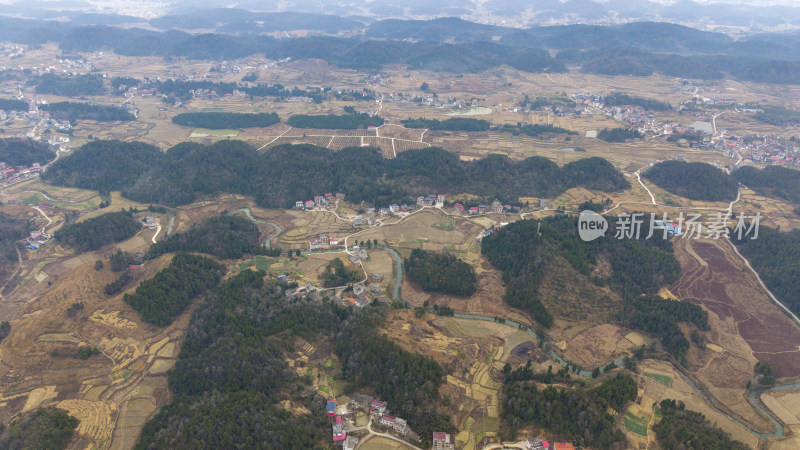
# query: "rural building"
{"points": [[384, 212], [319, 200], [339, 434], [440, 199], [310, 204], [298, 204], [376, 277], [473, 210], [481, 209], [330, 407], [459, 207], [350, 443], [563, 446], [443, 441], [363, 400], [339, 196], [377, 408], [400, 425], [394, 208], [387, 421]]}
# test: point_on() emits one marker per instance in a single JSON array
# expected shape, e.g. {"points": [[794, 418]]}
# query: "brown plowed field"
{"points": [[714, 278], [744, 322]]}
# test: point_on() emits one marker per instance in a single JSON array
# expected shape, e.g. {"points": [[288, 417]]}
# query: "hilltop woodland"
{"points": [[76, 86], [225, 120], [335, 274], [775, 255], [161, 298], [232, 376], [470, 124], [24, 152], [454, 124], [98, 231], [619, 99], [350, 121], [226, 237], [680, 426], [772, 181], [639, 266], [73, 111], [231, 373], [579, 415], [618, 134], [289, 173], [409, 382], [44, 428], [441, 272], [12, 104], [695, 181]]}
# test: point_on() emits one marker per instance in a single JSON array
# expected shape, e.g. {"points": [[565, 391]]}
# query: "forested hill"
{"points": [[772, 181], [98, 231], [223, 120], [289, 173], [695, 181], [526, 257], [222, 236], [24, 152]]}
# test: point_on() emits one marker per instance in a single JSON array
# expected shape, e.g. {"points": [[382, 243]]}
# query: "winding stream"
{"points": [[278, 229]]}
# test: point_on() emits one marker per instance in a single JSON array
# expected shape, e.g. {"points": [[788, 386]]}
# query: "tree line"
{"points": [[695, 181], [452, 124], [98, 231], [524, 252], [225, 120], [289, 173], [160, 299], [226, 237], [441, 272], [350, 121]]}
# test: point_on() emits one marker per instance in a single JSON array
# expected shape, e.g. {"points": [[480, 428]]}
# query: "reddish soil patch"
{"points": [[713, 277]]}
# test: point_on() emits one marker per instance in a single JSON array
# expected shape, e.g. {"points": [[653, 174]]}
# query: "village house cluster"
{"points": [[10, 175]]}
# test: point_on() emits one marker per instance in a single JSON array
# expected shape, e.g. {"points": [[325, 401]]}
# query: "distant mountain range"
{"points": [[441, 44], [731, 16]]}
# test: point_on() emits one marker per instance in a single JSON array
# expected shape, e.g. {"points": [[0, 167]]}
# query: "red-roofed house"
{"points": [[338, 430], [442, 441], [563, 446]]}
